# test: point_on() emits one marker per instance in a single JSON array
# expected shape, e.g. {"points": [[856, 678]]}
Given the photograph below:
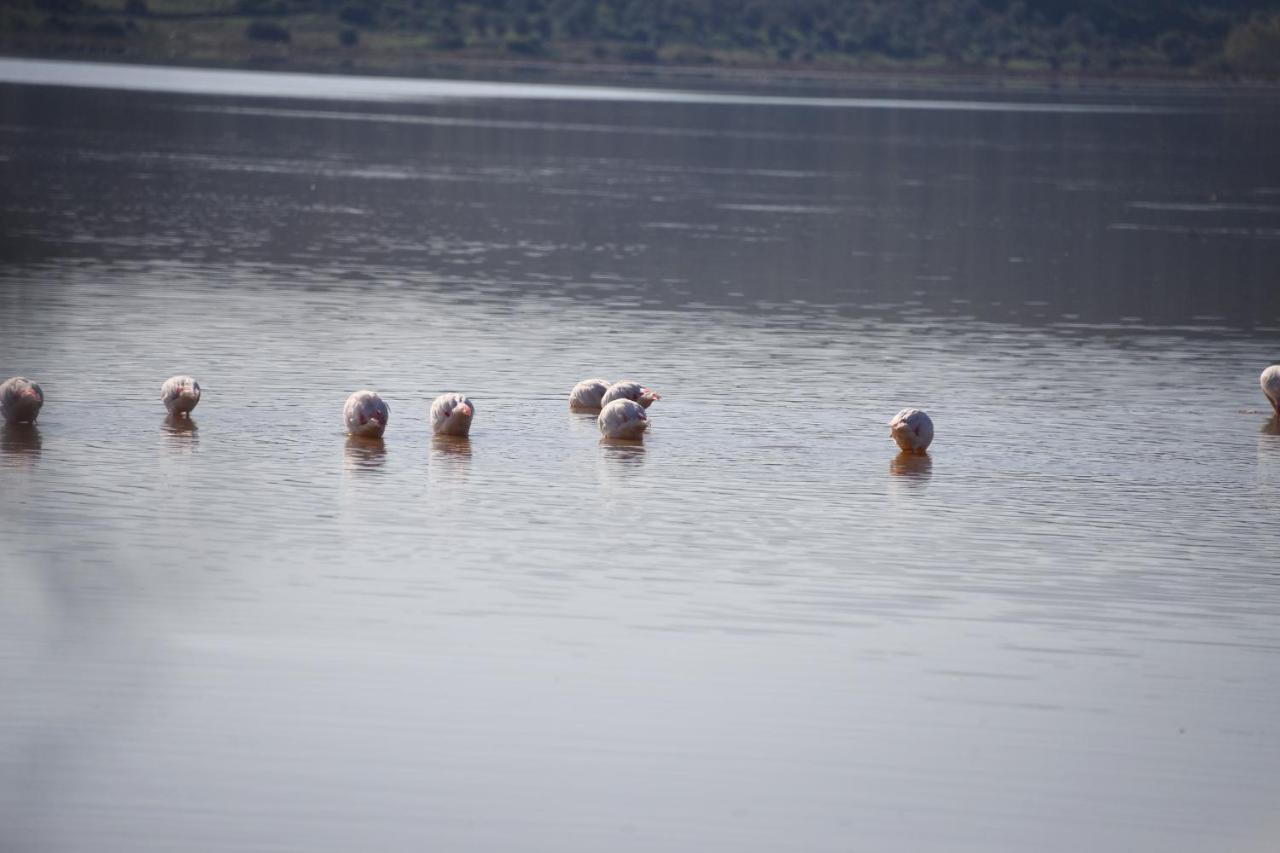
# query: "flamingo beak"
{"points": [[30, 392], [464, 409]]}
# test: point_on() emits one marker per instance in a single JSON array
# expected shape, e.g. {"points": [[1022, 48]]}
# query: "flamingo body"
{"points": [[912, 429], [366, 414], [180, 394], [623, 418], [588, 394], [20, 400], [1270, 381], [451, 414], [627, 389]]}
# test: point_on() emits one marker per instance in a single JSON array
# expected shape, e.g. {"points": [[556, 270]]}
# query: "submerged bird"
{"points": [[588, 394], [912, 429], [626, 389], [451, 415], [180, 394], [623, 418], [366, 414], [1270, 381], [20, 400]]}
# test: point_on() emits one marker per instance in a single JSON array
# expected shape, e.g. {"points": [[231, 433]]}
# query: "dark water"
{"points": [[760, 630]]}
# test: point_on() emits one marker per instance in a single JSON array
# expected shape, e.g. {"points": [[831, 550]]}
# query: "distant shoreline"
{"points": [[832, 43], [669, 75]]}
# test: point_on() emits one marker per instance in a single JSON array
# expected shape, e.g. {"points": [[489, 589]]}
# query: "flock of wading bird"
{"points": [[621, 405]]}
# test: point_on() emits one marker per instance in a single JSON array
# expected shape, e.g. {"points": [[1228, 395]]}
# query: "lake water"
{"points": [[760, 630]]}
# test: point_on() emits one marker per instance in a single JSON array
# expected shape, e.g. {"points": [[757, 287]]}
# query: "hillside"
{"points": [[1214, 38]]}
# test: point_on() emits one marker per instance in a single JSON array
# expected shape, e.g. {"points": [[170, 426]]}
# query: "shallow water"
{"points": [[763, 628]]}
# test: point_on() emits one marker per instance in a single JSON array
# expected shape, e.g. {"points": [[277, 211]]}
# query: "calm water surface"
{"points": [[760, 630]]}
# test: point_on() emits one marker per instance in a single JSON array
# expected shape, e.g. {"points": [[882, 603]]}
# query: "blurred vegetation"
{"points": [[1215, 38]]}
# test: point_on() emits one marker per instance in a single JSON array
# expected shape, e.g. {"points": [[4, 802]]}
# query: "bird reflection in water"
{"points": [[180, 436], [21, 440], [625, 451], [365, 454], [180, 425], [1272, 426], [450, 460], [915, 466], [451, 447]]}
